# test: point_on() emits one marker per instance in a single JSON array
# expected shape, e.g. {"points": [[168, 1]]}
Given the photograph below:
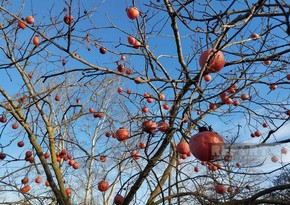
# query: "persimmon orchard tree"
{"points": [[144, 102]]}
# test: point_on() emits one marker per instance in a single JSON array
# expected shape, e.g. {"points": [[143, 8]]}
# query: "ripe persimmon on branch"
{"points": [[145, 102]]}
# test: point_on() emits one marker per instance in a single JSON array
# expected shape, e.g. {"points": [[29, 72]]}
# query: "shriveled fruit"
{"points": [[255, 35], [2, 155], [103, 186], [118, 199], [29, 19], [273, 87], [108, 134], [123, 58], [121, 68], [46, 155], [145, 109], [149, 100], [182, 147], [229, 101], [25, 180], [20, 144], [228, 157], [136, 44], [91, 110], [75, 165], [120, 90], [21, 24], [25, 189], [212, 106], [267, 62], [206, 145], [128, 71], [128, 91], [215, 59], [103, 50], [38, 180], [284, 150], [166, 106], [163, 126], [274, 159], [265, 124], [14, 126], [122, 134], [30, 75], [102, 158], [35, 40], [161, 96], [28, 154], [132, 13], [71, 162], [149, 126], [207, 78], [57, 98], [68, 19], [257, 133], [236, 103], [63, 152], [244, 97], [68, 191], [131, 40], [232, 90], [142, 145], [98, 114], [47, 183], [220, 189]]}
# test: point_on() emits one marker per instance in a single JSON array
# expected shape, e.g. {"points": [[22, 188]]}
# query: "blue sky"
{"points": [[117, 14]]}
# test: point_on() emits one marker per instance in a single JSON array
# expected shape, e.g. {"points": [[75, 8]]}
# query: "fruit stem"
{"points": [[204, 128]]}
